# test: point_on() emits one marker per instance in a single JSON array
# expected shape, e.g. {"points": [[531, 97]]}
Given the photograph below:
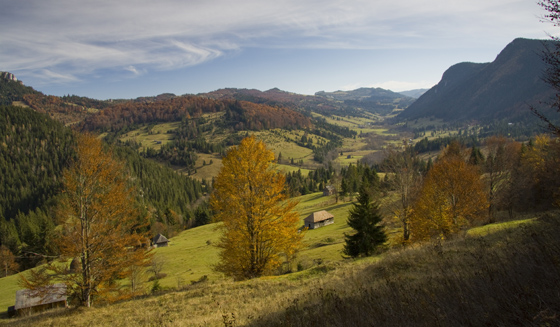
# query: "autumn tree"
{"points": [[100, 227], [452, 197], [501, 158], [8, 262], [259, 224], [540, 163], [365, 219], [405, 178]]}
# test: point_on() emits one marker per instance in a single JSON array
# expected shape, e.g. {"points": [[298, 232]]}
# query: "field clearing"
{"points": [[290, 169], [278, 144], [151, 138], [192, 253], [9, 286], [19, 104], [206, 172]]}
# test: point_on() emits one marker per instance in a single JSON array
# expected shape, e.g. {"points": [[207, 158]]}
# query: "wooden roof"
{"points": [[160, 239], [49, 294], [318, 216]]}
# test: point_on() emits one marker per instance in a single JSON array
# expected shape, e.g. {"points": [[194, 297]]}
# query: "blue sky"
{"points": [[130, 48]]}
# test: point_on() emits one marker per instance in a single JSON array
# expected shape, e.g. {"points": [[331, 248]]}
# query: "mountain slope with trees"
{"points": [[35, 149]]}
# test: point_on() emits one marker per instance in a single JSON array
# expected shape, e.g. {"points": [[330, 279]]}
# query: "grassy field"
{"points": [[151, 136], [506, 277], [192, 253]]}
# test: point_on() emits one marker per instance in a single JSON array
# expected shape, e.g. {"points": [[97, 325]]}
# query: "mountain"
{"points": [[501, 90], [278, 98], [375, 100], [414, 93]]}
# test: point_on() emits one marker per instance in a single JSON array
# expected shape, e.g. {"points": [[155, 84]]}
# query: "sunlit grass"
{"points": [[474, 280]]}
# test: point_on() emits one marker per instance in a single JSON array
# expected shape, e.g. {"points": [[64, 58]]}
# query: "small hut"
{"points": [[319, 219], [29, 301], [159, 241], [329, 190]]}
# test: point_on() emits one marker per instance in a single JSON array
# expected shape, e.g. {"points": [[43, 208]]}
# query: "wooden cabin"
{"points": [[159, 241], [30, 301], [329, 190], [319, 219]]}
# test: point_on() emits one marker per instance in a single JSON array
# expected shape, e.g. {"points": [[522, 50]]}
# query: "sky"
{"points": [[107, 49]]}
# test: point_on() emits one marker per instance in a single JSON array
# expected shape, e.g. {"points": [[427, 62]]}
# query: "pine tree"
{"points": [[364, 219]]}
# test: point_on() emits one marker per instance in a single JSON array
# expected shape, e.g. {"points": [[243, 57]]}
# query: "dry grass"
{"points": [[509, 277]]}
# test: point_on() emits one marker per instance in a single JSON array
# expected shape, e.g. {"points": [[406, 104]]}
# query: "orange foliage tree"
{"points": [[99, 228], [452, 197], [8, 262], [260, 226]]}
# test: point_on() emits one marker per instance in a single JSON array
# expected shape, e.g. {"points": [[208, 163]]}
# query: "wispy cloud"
{"points": [[71, 39]]}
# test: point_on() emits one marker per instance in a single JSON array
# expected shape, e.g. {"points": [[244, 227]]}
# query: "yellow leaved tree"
{"points": [[99, 229], [260, 226], [452, 197]]}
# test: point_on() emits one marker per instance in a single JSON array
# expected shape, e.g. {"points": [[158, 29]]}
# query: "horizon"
{"points": [[106, 50]]}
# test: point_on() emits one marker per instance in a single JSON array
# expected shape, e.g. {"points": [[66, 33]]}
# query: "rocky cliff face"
{"points": [[9, 76]]}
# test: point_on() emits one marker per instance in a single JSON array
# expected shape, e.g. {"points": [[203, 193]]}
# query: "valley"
{"points": [[463, 264]]}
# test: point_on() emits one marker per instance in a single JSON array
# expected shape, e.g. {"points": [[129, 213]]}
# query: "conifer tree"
{"points": [[364, 219]]}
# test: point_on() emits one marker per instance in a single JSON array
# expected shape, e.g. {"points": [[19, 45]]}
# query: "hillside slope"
{"points": [[502, 89]]}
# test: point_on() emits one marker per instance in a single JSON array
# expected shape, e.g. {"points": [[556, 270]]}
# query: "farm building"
{"points": [[159, 241], [49, 297], [318, 219], [329, 190]]}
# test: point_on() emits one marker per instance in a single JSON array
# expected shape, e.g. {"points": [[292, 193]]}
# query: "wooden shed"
{"points": [[319, 219], [49, 297], [159, 241], [329, 190]]}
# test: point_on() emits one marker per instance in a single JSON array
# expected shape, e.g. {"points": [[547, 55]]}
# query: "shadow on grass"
{"points": [[509, 278]]}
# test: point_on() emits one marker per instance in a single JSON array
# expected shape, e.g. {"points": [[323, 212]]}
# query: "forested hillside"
{"points": [[373, 100], [240, 114], [35, 149], [12, 90]]}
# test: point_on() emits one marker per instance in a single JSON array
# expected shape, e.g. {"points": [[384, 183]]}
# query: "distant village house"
{"points": [[159, 241], [329, 190], [318, 219], [29, 301]]}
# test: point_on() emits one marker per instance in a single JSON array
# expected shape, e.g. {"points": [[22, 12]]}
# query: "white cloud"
{"points": [[73, 39]]}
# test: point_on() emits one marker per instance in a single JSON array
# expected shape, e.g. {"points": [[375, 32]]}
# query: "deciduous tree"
{"points": [[452, 197], [8, 262], [500, 161], [405, 178], [99, 226], [260, 226]]}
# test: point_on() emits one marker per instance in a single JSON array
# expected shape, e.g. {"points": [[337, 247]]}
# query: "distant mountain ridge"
{"points": [[502, 89], [374, 100], [414, 93]]}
